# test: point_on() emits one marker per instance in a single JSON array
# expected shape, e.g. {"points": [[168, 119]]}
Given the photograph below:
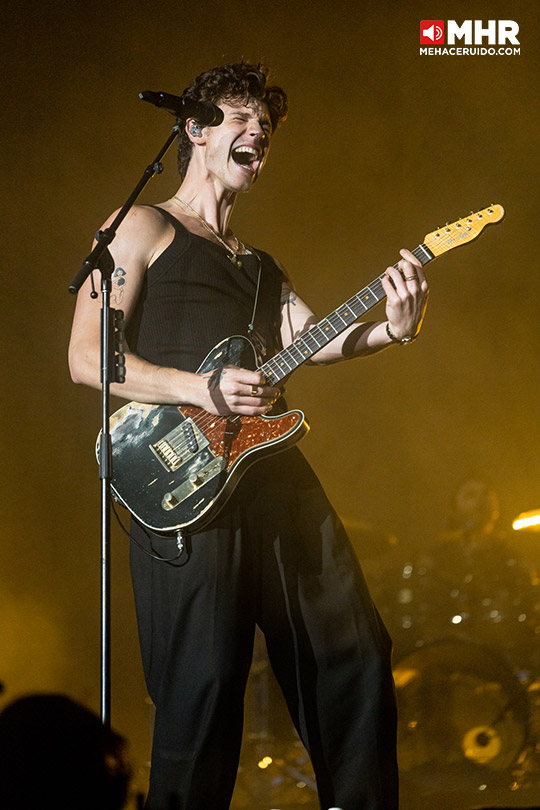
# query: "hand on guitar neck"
{"points": [[407, 292]]}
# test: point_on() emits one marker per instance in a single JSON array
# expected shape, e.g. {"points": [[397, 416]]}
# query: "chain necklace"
{"points": [[233, 252]]}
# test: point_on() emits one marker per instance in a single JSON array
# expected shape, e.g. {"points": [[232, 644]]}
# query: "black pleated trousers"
{"points": [[276, 556]]}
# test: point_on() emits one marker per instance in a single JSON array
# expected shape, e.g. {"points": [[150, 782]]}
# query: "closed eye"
{"points": [[265, 126]]}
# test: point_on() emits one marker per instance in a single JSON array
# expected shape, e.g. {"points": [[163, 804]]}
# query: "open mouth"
{"points": [[247, 157]]}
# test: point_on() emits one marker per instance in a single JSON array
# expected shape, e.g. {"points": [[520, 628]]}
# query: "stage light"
{"points": [[527, 521]]}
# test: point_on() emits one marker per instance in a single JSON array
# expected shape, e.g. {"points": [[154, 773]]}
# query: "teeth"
{"points": [[248, 149], [245, 156]]}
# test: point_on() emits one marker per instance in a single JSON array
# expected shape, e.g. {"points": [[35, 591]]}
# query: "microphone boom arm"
{"points": [[105, 237]]}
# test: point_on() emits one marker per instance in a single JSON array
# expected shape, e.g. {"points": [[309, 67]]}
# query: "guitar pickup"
{"points": [[180, 445], [193, 483]]}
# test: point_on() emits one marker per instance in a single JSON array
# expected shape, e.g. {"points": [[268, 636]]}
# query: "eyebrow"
{"points": [[263, 119]]}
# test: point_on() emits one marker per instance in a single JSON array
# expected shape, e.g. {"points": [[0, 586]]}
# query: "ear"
{"points": [[195, 131]]}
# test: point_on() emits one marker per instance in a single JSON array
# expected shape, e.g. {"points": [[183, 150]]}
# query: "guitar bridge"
{"points": [[193, 483], [179, 445]]}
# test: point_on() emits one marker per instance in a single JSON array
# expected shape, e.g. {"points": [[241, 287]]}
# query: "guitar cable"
{"points": [[179, 540]]}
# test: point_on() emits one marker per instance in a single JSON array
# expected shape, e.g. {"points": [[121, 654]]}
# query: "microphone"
{"points": [[206, 114]]}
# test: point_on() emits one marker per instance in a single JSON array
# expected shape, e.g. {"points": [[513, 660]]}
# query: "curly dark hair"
{"points": [[235, 82]]}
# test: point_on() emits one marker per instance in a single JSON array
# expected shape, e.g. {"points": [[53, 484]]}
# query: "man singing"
{"points": [[276, 555]]}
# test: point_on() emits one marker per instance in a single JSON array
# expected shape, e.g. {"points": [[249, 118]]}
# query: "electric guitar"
{"points": [[175, 466]]}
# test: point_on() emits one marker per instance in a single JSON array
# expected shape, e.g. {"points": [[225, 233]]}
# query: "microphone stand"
{"points": [[112, 370]]}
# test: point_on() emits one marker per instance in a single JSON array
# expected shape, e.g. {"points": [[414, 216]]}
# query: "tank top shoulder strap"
{"points": [[175, 250], [177, 225]]}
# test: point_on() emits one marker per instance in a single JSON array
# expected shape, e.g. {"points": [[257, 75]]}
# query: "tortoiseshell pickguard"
{"points": [[230, 438]]}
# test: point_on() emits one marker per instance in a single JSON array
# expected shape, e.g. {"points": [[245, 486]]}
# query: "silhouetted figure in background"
{"points": [[475, 514], [55, 753]]}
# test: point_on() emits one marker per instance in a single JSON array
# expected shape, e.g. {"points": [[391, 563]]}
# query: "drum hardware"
{"points": [[463, 714], [481, 744]]}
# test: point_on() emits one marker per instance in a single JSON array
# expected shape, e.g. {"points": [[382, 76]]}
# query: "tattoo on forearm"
{"points": [[215, 378], [118, 283]]}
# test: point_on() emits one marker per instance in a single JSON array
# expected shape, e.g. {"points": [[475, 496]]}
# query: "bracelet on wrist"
{"points": [[400, 341]]}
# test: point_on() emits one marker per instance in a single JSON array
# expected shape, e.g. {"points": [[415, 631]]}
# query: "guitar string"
{"points": [[204, 419]]}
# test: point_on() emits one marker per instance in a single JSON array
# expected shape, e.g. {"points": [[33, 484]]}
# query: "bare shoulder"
{"points": [[141, 236]]}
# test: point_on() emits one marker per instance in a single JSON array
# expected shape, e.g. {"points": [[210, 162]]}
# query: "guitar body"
{"points": [[174, 467]]}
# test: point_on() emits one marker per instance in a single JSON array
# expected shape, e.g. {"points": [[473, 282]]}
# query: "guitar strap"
{"points": [[251, 324]]}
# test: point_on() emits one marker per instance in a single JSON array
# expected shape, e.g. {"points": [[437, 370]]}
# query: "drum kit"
{"points": [[464, 615]]}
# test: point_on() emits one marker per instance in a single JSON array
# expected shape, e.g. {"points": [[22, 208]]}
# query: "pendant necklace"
{"points": [[232, 252]]}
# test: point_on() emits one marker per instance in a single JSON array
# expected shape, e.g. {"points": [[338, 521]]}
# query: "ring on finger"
{"points": [[254, 391], [410, 278]]}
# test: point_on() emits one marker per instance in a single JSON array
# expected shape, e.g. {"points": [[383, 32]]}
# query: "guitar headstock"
{"points": [[462, 231]]}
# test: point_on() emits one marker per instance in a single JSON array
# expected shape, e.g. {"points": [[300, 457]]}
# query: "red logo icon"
{"points": [[431, 32]]}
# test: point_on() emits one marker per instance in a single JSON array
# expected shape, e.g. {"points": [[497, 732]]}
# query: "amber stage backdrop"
{"points": [[382, 145]]}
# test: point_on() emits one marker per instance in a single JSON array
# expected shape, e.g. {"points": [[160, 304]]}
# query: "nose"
{"points": [[258, 133]]}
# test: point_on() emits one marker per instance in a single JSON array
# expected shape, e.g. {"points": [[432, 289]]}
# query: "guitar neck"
{"points": [[309, 343]]}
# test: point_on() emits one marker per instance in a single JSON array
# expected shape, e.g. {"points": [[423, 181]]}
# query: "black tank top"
{"points": [[193, 296]]}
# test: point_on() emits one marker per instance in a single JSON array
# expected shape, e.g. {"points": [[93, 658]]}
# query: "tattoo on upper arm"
{"points": [[118, 284], [288, 297]]}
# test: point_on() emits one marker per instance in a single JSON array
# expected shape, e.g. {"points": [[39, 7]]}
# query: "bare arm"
{"points": [[143, 235], [406, 290]]}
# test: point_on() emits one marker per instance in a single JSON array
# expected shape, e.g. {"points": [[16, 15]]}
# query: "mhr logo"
{"points": [[472, 32]]}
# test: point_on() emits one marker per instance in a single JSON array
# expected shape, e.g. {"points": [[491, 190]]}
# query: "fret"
{"points": [[282, 360], [428, 255], [364, 300], [335, 323], [343, 314], [302, 347], [272, 376], [322, 333], [271, 369], [376, 287], [296, 352], [309, 343], [357, 304]]}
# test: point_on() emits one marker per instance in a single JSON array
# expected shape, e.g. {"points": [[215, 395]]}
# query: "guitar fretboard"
{"points": [[309, 343]]}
